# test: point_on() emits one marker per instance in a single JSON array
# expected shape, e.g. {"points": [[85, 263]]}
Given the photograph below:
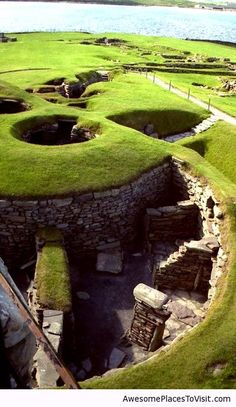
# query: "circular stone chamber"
{"points": [[62, 131]]}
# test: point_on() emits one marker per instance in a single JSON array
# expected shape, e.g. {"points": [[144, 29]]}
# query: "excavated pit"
{"points": [[81, 105], [8, 106], [63, 131], [172, 232]]}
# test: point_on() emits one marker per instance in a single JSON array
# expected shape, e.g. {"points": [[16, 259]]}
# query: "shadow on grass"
{"points": [[165, 122]]}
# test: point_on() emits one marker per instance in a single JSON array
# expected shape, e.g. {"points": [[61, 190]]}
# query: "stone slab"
{"points": [[150, 296], [55, 328], [116, 358], [87, 365], [181, 311], [109, 262], [46, 375], [82, 295]]}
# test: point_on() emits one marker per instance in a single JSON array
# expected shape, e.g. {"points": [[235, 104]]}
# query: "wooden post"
{"points": [[189, 93], [154, 78], [209, 104], [65, 374], [170, 84]]}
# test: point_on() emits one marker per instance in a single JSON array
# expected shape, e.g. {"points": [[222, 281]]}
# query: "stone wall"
{"points": [[149, 318], [169, 223], [190, 267], [88, 222], [185, 186]]}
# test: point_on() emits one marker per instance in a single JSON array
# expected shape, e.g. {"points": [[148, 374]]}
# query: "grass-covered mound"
{"points": [[52, 272], [218, 146], [116, 156]]}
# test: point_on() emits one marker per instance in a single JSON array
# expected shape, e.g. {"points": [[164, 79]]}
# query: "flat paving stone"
{"points": [[109, 262], [55, 328], [82, 295], [180, 310], [87, 365], [116, 358]]}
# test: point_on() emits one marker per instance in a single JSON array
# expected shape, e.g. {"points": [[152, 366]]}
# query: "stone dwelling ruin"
{"points": [[176, 220], [3, 38]]}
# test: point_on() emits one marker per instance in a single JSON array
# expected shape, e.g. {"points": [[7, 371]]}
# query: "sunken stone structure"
{"points": [[98, 221], [63, 131], [91, 221], [167, 206], [8, 106]]}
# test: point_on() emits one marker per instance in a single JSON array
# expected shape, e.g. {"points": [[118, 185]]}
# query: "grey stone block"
{"points": [[150, 296], [109, 262], [87, 365], [116, 358]]}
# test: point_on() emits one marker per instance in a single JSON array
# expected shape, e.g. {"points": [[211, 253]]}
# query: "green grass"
{"points": [[117, 156], [52, 273], [226, 103], [218, 146]]}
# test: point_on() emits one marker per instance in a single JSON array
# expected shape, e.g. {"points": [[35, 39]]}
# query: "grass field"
{"points": [[116, 156], [226, 103], [117, 111]]}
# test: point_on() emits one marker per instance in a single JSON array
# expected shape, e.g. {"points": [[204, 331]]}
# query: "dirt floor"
{"points": [[105, 312]]}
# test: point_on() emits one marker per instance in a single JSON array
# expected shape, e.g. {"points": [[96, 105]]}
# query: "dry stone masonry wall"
{"points": [[189, 268], [88, 222], [169, 223], [195, 265], [149, 318]]}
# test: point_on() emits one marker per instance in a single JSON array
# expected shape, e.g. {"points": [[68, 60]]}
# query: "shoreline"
{"points": [[129, 4]]}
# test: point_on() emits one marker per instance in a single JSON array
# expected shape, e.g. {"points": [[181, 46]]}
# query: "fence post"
{"points": [[170, 84], [154, 78], [189, 93], [209, 104]]}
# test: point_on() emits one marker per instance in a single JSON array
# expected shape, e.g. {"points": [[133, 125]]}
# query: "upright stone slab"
{"points": [[46, 375], [148, 323]]}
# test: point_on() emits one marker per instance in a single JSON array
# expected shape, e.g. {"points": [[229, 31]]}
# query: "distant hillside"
{"points": [[170, 3]]}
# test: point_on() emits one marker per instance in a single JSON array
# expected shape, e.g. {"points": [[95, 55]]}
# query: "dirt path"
{"points": [[221, 115]]}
